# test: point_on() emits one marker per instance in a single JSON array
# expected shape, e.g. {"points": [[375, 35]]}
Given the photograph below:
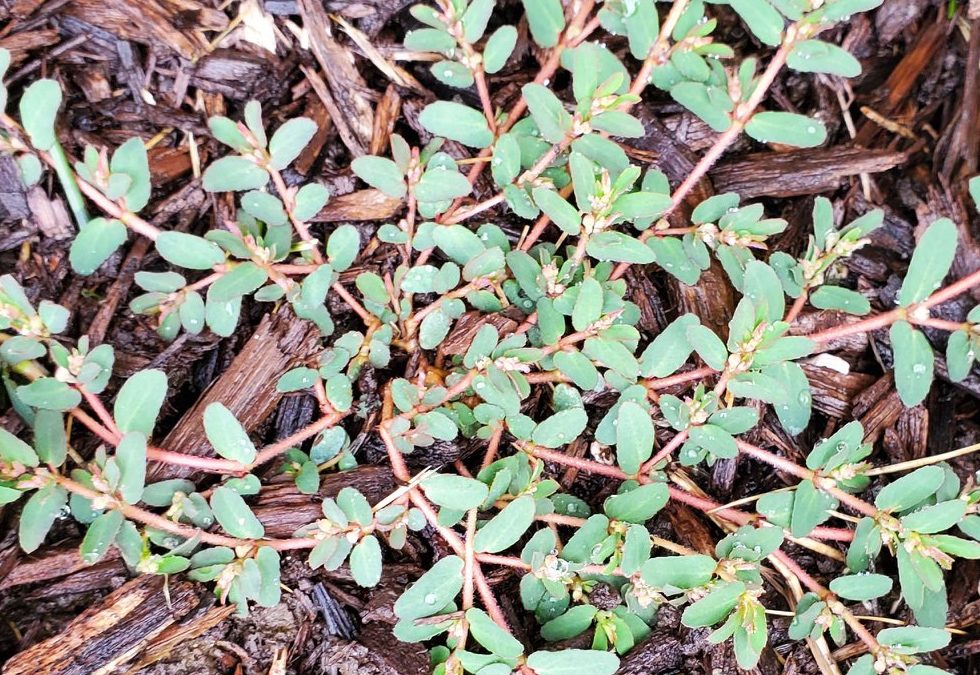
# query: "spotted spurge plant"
{"points": [[584, 568]]}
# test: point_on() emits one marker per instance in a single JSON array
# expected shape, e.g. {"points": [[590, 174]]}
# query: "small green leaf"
{"points": [[561, 428], [457, 122], [936, 518], [573, 622], [343, 246], [637, 505], [188, 250], [708, 346], [100, 536], [546, 19], [504, 529], [634, 437], [234, 515], [14, 450], [38, 111], [861, 587], [548, 112], [930, 263], [381, 173], [95, 242], [244, 278], [234, 174], [39, 514], [786, 128], [715, 606], [911, 489], [365, 562], [816, 56], [498, 48], [433, 591], [618, 247], [914, 639], [914, 363], [138, 401], [226, 434], [841, 299], [289, 140], [492, 637], [131, 459], [683, 572], [48, 393], [573, 661], [455, 492], [761, 18]]}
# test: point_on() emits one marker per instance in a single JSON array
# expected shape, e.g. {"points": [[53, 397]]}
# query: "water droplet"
{"points": [[430, 599], [811, 129], [919, 369], [804, 398]]}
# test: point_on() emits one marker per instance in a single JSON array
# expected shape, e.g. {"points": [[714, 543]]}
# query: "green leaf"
{"points": [[498, 49], [95, 242], [961, 352], [455, 492], [638, 505], [810, 508], [841, 299], [99, 536], [564, 215], [937, 518], [914, 363], [227, 131], [504, 529], [244, 278], [669, 350], [787, 129], [188, 250], [309, 200], [265, 207], [457, 122], [573, 622], [634, 437], [289, 140], [433, 591], [38, 111], [343, 246], [131, 459], [914, 639], [930, 263], [816, 56], [548, 112], [761, 18], [138, 401], [50, 439], [492, 637], [618, 247], [861, 587], [381, 173], [910, 490], [475, 19], [762, 287], [642, 205], [130, 160], [438, 185], [561, 428], [226, 434], [14, 450], [708, 346], [588, 304], [679, 571], [701, 101], [234, 515], [48, 393], [573, 661], [546, 19], [234, 174], [39, 514], [715, 606], [365, 562]]}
